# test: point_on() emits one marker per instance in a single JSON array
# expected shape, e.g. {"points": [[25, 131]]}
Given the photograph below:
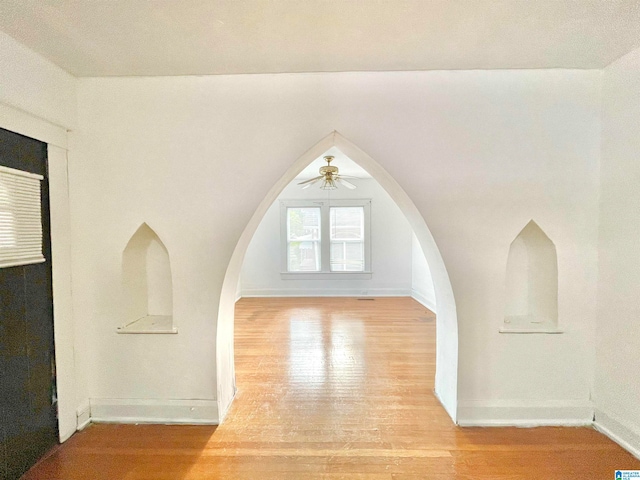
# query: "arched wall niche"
{"points": [[531, 304], [446, 381], [147, 284]]}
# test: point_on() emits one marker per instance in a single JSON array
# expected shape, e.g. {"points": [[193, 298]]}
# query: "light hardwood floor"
{"points": [[334, 389]]}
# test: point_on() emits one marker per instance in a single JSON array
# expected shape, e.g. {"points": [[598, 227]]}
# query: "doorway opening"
{"points": [[419, 237]]}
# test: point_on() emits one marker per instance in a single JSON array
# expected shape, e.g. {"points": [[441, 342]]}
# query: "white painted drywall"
{"points": [[617, 384], [390, 249], [160, 289], [517, 280], [35, 85], [422, 288], [479, 154]]}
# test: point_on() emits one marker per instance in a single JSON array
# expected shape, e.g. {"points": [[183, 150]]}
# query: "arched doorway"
{"points": [[446, 380]]}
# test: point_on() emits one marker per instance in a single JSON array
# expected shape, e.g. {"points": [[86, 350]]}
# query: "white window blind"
{"points": [[20, 218]]}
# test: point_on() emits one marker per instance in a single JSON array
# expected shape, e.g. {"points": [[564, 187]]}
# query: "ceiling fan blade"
{"points": [[311, 180], [308, 183], [351, 176], [345, 183]]}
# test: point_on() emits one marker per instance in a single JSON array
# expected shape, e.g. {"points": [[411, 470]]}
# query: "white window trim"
{"points": [[325, 241]]}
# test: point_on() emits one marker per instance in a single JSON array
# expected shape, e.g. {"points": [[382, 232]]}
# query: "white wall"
{"points": [[617, 386], [390, 249], [422, 288], [32, 84], [38, 100], [160, 291], [479, 153]]}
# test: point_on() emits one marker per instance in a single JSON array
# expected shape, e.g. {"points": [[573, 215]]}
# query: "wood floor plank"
{"points": [[333, 389]]}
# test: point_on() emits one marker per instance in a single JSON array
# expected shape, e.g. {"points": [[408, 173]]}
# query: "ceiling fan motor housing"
{"points": [[328, 170], [330, 177]]}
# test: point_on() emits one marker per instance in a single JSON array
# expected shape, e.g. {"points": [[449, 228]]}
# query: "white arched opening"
{"points": [[446, 380]]}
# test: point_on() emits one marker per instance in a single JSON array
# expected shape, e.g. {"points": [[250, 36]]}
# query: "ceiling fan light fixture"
{"points": [[328, 184], [329, 177]]}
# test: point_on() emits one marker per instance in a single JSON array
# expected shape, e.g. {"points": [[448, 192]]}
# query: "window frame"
{"points": [[325, 239]]}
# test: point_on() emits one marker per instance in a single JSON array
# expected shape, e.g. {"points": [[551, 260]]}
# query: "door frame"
{"points": [[56, 138]]}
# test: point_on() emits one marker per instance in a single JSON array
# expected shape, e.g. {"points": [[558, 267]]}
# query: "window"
{"points": [[20, 218], [347, 239], [303, 239], [322, 237]]}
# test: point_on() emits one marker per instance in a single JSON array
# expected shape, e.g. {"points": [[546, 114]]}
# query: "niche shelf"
{"points": [[531, 284], [147, 284]]}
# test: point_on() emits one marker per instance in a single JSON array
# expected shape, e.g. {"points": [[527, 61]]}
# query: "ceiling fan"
{"points": [[329, 176]]}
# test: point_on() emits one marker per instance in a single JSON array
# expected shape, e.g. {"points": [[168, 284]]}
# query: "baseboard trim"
{"points": [[135, 410], [324, 292], [424, 301], [83, 414], [520, 414], [625, 436]]}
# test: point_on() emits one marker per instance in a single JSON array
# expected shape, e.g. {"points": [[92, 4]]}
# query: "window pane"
{"points": [[347, 256], [303, 223], [304, 256], [347, 239], [303, 239], [347, 223]]}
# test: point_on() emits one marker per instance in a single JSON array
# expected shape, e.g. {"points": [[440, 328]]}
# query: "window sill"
{"points": [[150, 324], [326, 275]]}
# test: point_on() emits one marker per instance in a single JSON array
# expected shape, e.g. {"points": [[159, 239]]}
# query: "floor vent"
{"points": [[364, 299]]}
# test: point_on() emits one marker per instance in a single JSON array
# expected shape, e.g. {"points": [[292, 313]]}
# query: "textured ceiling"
{"points": [[197, 37]]}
